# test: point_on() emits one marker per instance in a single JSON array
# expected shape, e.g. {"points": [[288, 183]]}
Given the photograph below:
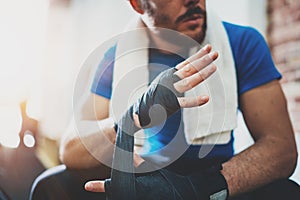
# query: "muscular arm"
{"points": [[274, 153]]}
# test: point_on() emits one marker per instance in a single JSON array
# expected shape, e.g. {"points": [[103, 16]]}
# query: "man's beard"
{"points": [[163, 21], [201, 35], [189, 14]]}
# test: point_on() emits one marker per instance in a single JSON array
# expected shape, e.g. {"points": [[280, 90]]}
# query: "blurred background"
{"points": [[43, 44]]}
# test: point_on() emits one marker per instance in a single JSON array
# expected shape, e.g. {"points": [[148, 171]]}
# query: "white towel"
{"points": [[208, 124]]}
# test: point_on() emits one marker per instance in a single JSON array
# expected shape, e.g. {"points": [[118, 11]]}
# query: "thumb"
{"points": [[95, 186]]}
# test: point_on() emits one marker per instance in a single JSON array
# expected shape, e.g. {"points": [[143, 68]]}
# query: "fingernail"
{"points": [[213, 55], [206, 47], [204, 98], [88, 186]]}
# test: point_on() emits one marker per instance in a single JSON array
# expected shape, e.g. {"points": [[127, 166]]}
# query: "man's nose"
{"points": [[188, 3]]}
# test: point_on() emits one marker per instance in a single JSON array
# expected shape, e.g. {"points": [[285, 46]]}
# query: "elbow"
{"points": [[74, 155], [293, 161], [67, 154], [290, 163]]}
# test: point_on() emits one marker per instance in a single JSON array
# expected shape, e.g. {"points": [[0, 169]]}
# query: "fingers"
{"points": [[188, 102], [196, 65], [199, 54], [95, 186], [193, 80]]}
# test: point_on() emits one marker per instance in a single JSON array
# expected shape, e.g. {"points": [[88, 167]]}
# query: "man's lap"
{"points": [[62, 183]]}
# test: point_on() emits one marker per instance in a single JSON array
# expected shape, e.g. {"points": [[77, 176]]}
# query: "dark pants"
{"points": [[61, 183], [3, 195]]}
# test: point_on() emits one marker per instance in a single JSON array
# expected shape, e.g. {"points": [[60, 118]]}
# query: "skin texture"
{"points": [[273, 154]]}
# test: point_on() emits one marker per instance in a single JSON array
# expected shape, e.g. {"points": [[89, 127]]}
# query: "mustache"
{"points": [[190, 12]]}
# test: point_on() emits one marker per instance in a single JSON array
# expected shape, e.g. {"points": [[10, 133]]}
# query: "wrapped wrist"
{"points": [[160, 92], [212, 186], [126, 123]]}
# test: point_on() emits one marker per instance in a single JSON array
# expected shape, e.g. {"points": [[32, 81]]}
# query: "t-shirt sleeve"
{"points": [[102, 83], [253, 59]]}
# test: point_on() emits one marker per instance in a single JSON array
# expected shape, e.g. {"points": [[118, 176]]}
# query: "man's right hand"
{"points": [[166, 90]]}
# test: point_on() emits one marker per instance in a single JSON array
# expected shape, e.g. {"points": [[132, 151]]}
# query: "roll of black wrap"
{"points": [[122, 182]]}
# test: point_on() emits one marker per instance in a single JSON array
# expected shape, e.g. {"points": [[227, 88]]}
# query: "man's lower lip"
{"points": [[193, 21]]}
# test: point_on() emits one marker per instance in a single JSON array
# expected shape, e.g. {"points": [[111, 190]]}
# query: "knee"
{"points": [[3, 195], [284, 185], [280, 189], [44, 181]]}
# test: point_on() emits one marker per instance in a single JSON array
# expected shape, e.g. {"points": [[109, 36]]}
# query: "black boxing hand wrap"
{"points": [[211, 185], [203, 185], [122, 166], [160, 92]]}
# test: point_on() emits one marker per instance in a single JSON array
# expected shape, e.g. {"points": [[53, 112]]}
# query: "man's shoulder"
{"points": [[238, 29], [239, 33], [243, 39]]}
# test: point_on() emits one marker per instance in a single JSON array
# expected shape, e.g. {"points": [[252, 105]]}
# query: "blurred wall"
{"points": [[74, 28], [284, 39], [22, 36]]}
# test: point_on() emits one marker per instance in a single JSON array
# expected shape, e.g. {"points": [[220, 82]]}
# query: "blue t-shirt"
{"points": [[254, 67]]}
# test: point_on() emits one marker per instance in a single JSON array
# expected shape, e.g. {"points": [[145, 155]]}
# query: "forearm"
{"points": [[267, 160], [79, 149]]}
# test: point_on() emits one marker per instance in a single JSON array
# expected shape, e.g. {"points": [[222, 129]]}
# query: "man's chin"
{"points": [[196, 35]]}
